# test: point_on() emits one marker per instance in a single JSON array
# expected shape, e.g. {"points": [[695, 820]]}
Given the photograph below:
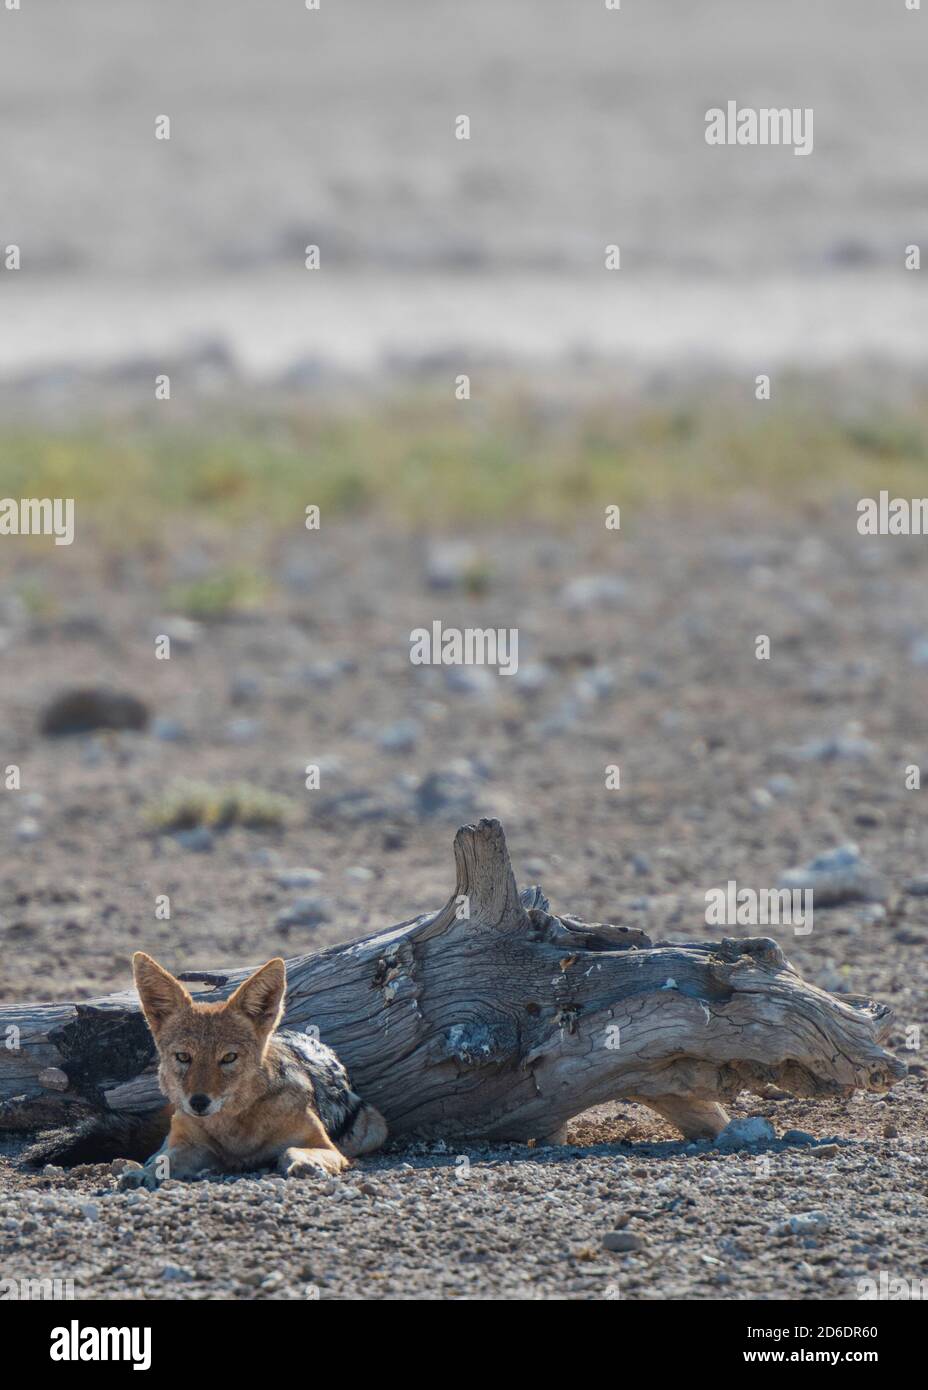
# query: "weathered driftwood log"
{"points": [[493, 1018]]}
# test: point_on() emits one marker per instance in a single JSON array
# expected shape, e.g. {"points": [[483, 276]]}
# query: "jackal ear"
{"points": [[261, 996], [160, 994]]}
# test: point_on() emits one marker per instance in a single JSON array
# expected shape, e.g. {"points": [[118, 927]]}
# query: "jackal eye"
{"points": [[183, 1057], [228, 1059]]}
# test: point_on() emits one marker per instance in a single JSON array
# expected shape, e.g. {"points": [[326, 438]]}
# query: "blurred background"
{"points": [[336, 387], [336, 128]]}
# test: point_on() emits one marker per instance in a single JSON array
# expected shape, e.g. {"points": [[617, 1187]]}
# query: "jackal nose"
{"points": [[199, 1104]]}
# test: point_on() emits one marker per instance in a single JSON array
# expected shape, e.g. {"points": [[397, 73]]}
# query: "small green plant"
{"points": [[190, 805], [222, 595], [477, 578], [37, 602]]}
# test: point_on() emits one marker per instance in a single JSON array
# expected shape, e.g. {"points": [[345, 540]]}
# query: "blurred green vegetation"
{"points": [[189, 805], [225, 593], [424, 460]]}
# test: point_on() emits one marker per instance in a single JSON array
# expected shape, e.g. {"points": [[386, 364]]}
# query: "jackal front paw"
{"points": [[138, 1176], [312, 1163]]}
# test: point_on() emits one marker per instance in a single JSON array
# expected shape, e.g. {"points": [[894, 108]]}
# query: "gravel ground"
{"points": [[505, 1222], [730, 768]]}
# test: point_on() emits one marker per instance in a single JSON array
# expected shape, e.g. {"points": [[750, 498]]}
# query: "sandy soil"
{"points": [[730, 767]]}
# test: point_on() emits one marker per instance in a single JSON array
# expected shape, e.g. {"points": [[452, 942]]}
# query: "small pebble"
{"points": [[619, 1241]]}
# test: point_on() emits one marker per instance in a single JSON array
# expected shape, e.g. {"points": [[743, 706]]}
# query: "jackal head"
{"points": [[210, 1054]]}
